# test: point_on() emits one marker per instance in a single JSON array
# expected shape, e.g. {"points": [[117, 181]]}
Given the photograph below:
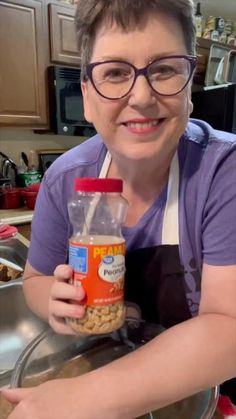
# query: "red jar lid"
{"points": [[98, 185]]}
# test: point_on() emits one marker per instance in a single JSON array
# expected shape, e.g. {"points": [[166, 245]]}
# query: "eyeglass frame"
{"points": [[192, 59]]}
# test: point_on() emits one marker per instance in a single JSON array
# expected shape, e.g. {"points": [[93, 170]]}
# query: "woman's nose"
{"points": [[142, 94]]}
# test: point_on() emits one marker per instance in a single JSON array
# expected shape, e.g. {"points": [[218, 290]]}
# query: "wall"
{"points": [[13, 141]]}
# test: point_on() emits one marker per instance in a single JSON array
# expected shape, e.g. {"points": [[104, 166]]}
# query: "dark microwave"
{"points": [[66, 102]]}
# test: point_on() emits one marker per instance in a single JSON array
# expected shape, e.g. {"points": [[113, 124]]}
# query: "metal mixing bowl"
{"points": [[18, 327], [52, 356]]}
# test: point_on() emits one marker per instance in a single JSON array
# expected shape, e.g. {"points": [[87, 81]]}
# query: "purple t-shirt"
{"points": [[207, 205]]}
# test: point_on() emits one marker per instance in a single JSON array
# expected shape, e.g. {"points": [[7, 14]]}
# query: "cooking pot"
{"points": [[29, 195], [57, 356], [10, 197]]}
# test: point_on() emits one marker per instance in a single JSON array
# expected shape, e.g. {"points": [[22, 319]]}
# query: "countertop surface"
{"points": [[16, 216]]}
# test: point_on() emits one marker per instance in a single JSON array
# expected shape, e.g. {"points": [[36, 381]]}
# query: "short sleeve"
{"points": [[50, 230], [219, 216]]}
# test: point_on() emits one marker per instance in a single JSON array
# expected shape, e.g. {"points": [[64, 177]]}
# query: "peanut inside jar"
{"points": [[103, 281], [100, 319]]}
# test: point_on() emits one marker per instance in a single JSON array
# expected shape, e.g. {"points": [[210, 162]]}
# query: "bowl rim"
{"points": [[18, 371]]}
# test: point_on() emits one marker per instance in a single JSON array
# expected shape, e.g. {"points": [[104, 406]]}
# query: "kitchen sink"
{"points": [[18, 324], [14, 251]]}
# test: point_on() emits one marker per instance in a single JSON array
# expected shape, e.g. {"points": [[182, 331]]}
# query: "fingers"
{"points": [[60, 326], [63, 272], [65, 291], [59, 311], [63, 309], [16, 395], [61, 288], [66, 300]]}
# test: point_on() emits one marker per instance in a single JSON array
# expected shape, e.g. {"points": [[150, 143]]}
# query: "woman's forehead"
{"points": [[160, 32], [131, 22]]}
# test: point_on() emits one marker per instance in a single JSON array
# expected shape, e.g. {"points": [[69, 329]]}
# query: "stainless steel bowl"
{"points": [[18, 327], [52, 356], [14, 251]]}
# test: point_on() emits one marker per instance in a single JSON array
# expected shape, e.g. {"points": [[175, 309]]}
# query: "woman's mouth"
{"points": [[143, 126]]}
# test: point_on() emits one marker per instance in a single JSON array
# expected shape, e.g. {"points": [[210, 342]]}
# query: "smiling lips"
{"points": [[143, 126]]}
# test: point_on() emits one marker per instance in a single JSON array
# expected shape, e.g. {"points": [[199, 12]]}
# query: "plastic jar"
{"points": [[97, 253]]}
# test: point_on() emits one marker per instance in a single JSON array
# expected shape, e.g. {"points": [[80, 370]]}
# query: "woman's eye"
{"points": [[163, 71], [116, 74]]}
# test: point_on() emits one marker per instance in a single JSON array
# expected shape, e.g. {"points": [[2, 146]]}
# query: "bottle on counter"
{"points": [[97, 253], [215, 36], [199, 21], [220, 24], [223, 38]]}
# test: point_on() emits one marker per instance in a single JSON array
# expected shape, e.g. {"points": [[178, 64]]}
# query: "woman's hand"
{"points": [[55, 399], [64, 301]]}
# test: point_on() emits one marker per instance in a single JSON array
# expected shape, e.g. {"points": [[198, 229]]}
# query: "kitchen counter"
{"points": [[16, 216]]}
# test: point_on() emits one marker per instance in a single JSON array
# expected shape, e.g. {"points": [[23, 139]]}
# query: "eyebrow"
{"points": [[150, 59]]}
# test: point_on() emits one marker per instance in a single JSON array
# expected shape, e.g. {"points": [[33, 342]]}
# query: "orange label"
{"points": [[100, 270]]}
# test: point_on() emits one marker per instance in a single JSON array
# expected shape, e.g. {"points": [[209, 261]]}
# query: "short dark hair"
{"points": [[90, 14]]}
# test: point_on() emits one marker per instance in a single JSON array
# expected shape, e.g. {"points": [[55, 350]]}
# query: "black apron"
{"points": [[155, 282], [154, 277]]}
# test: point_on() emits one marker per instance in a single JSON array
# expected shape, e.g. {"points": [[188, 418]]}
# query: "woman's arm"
{"points": [[37, 288], [192, 356], [185, 359]]}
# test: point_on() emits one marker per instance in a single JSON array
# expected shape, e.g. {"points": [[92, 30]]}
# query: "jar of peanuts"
{"points": [[97, 253]]}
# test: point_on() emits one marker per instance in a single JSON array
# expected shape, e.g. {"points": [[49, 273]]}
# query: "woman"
{"points": [[137, 65]]}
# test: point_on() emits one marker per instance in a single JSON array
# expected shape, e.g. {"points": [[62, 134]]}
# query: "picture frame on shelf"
{"points": [[48, 156]]}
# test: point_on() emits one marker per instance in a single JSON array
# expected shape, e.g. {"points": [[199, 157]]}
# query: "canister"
{"points": [[97, 253]]}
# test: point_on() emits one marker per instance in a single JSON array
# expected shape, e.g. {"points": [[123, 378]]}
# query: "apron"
{"points": [[154, 278]]}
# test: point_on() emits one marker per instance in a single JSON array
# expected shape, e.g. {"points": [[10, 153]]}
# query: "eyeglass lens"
{"points": [[167, 76]]}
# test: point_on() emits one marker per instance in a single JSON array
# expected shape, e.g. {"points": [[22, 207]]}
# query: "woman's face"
{"points": [[143, 124]]}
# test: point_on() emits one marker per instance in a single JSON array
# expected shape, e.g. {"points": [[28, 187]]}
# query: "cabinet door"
{"points": [[23, 60], [62, 35]]}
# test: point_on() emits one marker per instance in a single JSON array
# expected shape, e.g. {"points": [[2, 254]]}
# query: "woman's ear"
{"points": [[190, 106], [190, 103], [85, 93]]}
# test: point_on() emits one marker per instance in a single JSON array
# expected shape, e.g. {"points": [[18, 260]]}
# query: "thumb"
{"points": [[63, 272], [16, 395]]}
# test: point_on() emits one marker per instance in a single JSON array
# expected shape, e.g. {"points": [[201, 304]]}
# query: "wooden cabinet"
{"points": [[29, 29], [23, 60], [62, 34]]}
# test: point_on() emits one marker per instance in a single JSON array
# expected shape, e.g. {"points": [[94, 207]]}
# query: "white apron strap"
{"points": [[170, 228], [105, 165]]}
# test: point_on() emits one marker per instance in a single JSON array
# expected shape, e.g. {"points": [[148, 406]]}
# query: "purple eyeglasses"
{"points": [[167, 76]]}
